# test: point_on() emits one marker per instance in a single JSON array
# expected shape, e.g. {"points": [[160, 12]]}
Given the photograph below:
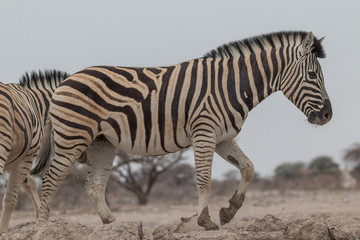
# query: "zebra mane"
{"points": [[48, 78], [239, 48]]}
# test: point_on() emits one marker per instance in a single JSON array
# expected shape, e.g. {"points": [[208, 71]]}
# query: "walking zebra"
{"points": [[23, 111], [202, 102]]}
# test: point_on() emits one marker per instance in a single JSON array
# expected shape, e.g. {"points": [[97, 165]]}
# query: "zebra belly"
{"points": [[140, 143]]}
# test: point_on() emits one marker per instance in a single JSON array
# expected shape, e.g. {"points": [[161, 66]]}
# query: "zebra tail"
{"points": [[43, 160]]}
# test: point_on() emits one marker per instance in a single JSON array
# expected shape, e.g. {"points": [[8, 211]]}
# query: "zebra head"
{"points": [[304, 85]]}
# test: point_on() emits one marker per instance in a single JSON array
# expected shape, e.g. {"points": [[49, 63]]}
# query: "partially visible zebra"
{"points": [[202, 102], [23, 111]]}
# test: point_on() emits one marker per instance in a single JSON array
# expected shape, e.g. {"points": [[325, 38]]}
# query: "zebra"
{"points": [[201, 103], [23, 112]]}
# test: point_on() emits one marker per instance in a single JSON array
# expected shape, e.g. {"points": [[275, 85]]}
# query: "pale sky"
{"points": [[71, 35]]}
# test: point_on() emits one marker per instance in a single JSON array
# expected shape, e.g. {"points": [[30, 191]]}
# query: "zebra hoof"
{"points": [[205, 221], [108, 219], [212, 226], [225, 216]]}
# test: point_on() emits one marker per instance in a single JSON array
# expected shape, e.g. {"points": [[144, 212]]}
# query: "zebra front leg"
{"points": [[100, 157], [30, 188], [231, 152], [16, 177], [203, 152]]}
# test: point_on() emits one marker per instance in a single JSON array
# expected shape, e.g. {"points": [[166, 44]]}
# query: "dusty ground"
{"points": [[264, 215]]}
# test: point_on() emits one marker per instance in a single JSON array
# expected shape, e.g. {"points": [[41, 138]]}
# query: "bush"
{"points": [[324, 165], [289, 170]]}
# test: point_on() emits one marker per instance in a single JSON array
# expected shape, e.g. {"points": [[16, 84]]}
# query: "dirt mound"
{"points": [[56, 229], [346, 228], [118, 231], [312, 229], [269, 223], [189, 229], [61, 229], [165, 232], [269, 227]]}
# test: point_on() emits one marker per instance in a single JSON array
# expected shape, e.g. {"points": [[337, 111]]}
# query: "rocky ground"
{"points": [[265, 215]]}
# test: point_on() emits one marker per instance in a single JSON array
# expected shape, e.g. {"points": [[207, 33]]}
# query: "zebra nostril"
{"points": [[327, 114], [327, 111]]}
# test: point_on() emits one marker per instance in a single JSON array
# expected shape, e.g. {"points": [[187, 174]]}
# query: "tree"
{"points": [[353, 155], [138, 174], [324, 165], [176, 184], [289, 170], [290, 176]]}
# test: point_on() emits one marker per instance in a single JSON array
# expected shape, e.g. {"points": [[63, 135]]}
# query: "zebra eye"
{"points": [[312, 74]]}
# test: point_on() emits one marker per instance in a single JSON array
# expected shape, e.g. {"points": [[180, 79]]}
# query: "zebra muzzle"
{"points": [[323, 116]]}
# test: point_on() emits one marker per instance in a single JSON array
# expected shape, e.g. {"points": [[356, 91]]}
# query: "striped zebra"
{"points": [[23, 111], [201, 102]]}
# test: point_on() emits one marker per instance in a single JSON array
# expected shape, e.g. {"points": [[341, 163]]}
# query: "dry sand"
{"points": [[264, 215]]}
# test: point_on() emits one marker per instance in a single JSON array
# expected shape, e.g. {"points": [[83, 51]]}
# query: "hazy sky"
{"points": [[71, 35]]}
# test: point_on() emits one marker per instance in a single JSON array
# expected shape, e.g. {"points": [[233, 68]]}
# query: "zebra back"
{"points": [[47, 79]]}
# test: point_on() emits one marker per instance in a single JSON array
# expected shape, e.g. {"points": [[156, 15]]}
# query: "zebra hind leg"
{"points": [[30, 187], [16, 177], [60, 167], [100, 156], [232, 153]]}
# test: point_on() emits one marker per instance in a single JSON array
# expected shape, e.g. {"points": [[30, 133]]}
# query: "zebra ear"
{"points": [[307, 43]]}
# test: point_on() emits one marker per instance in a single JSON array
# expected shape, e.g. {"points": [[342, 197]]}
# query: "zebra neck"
{"points": [[253, 77]]}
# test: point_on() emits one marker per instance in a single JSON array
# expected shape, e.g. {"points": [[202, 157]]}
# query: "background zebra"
{"points": [[23, 111], [202, 102]]}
